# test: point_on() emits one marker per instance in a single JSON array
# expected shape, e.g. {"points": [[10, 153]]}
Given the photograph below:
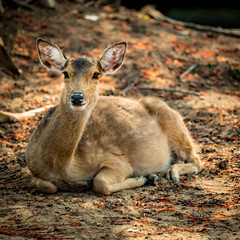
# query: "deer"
{"points": [[108, 143]]}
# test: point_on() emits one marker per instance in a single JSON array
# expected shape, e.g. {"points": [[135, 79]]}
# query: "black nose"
{"points": [[77, 98]]}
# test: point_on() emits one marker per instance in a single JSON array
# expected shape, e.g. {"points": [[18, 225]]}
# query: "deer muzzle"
{"points": [[77, 99]]}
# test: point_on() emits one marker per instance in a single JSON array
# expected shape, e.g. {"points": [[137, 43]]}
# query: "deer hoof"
{"points": [[153, 178], [142, 179], [45, 186], [175, 179], [194, 170]]}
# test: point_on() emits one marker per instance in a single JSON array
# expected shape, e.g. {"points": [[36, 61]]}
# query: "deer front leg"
{"points": [[110, 180], [104, 186], [45, 186]]}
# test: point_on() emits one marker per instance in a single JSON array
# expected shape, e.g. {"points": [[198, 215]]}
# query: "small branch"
{"points": [[170, 90], [230, 32], [190, 69], [131, 81], [125, 90], [24, 4], [21, 56], [33, 112], [151, 11], [14, 117]]}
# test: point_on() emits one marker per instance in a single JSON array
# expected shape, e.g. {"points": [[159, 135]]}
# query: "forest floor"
{"points": [[203, 206]]}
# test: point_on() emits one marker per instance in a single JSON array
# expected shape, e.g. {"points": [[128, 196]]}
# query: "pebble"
{"points": [[177, 213], [148, 211], [196, 214], [171, 197], [40, 199], [51, 229], [223, 164], [74, 200]]}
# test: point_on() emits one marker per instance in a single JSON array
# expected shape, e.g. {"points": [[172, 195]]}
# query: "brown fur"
{"points": [[113, 142]]}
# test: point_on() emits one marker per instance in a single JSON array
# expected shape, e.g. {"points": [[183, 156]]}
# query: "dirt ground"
{"points": [[204, 206]]}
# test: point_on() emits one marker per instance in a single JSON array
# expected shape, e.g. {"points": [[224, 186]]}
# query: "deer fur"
{"points": [[113, 143]]}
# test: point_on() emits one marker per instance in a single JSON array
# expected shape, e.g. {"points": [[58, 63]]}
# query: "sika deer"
{"points": [[113, 142]]}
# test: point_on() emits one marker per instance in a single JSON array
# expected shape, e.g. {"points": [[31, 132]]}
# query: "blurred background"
{"points": [[224, 13]]}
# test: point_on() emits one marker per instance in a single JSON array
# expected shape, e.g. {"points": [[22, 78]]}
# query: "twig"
{"points": [[170, 90], [13, 117], [24, 4], [131, 80], [32, 113], [22, 56], [151, 11], [125, 90], [185, 73], [230, 32]]}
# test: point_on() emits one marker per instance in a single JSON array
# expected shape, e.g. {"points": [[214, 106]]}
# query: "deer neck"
{"points": [[63, 133]]}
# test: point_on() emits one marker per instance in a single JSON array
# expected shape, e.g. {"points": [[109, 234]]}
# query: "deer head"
{"points": [[81, 74]]}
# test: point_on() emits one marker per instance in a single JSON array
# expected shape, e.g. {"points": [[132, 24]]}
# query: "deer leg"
{"points": [[45, 186], [153, 178], [182, 144], [179, 138], [110, 180], [176, 170]]}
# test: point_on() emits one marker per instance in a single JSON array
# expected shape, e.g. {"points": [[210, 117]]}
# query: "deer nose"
{"points": [[77, 98]]}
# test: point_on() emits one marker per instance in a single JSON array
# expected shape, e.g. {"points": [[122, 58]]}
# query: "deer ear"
{"points": [[112, 58], [51, 56]]}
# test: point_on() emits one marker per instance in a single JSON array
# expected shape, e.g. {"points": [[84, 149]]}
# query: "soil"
{"points": [[203, 206]]}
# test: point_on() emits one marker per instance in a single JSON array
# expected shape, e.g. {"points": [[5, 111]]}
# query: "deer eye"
{"points": [[65, 75], [95, 75]]}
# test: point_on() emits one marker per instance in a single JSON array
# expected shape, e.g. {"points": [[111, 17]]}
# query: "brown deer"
{"points": [[112, 142]]}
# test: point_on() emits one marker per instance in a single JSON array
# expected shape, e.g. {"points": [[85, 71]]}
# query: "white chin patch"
{"points": [[78, 108]]}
